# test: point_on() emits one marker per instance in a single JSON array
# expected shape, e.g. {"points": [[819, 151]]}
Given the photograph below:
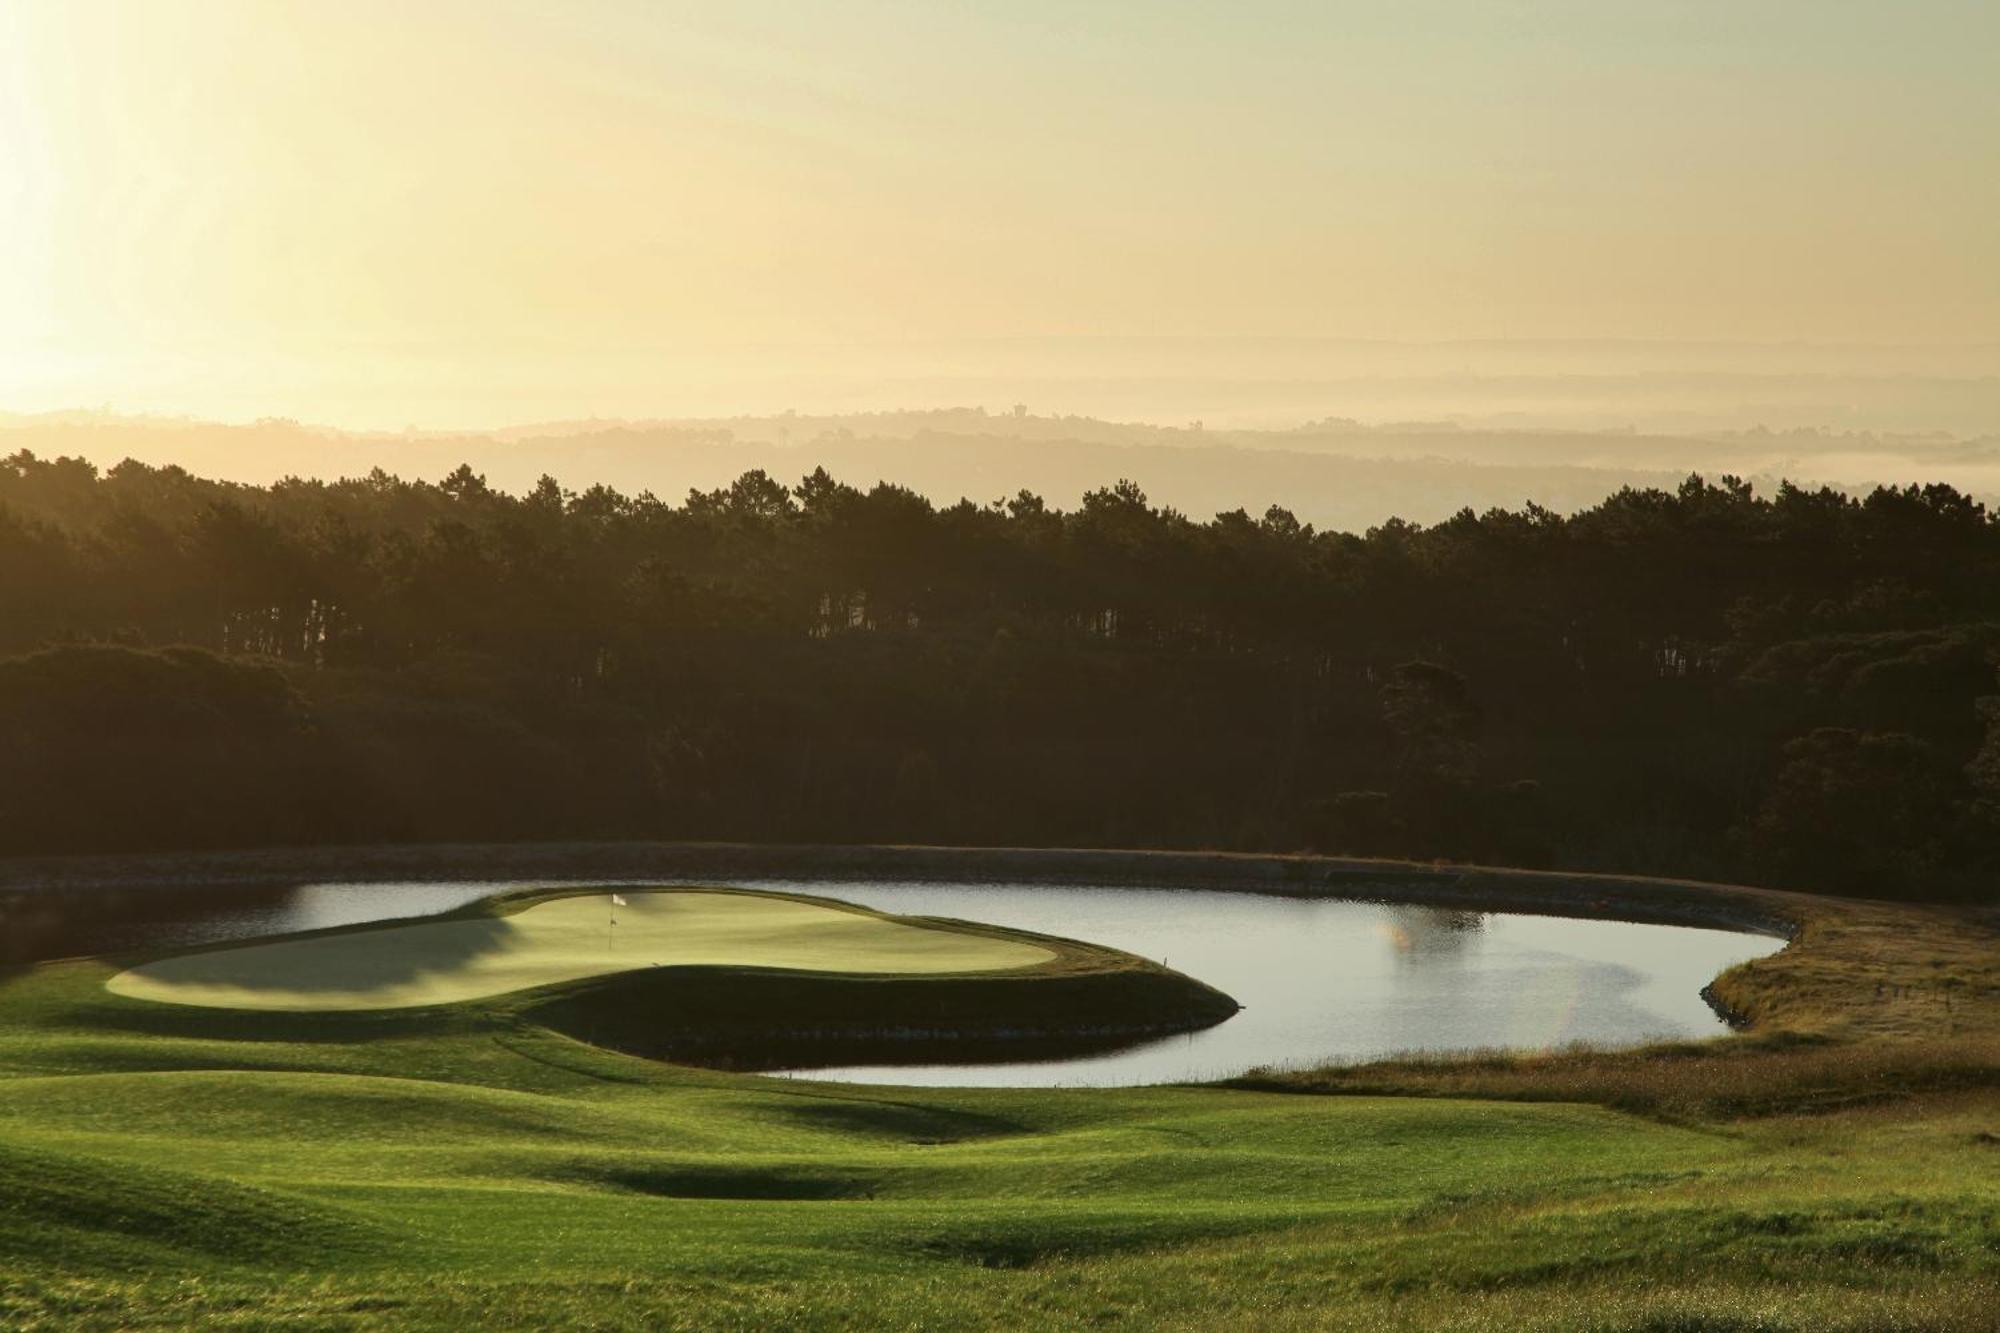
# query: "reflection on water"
{"points": [[1323, 980], [62, 923], [1320, 979], [1421, 934]]}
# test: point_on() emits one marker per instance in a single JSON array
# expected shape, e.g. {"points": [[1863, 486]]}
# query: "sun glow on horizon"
{"points": [[217, 203]]}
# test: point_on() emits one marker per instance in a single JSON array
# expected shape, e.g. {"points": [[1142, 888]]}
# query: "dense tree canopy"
{"points": [[1798, 688]]}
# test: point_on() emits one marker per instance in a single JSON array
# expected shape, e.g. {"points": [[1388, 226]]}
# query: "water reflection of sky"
{"points": [[1320, 979], [64, 922], [1329, 980]]}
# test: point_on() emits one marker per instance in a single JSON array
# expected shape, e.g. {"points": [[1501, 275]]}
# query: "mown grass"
{"points": [[871, 987], [500, 1175], [473, 1168], [563, 938]]}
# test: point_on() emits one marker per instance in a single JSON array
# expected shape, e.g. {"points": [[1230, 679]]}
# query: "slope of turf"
{"points": [[67, 1210], [511, 1177], [470, 1166], [561, 939], [478, 1170]]}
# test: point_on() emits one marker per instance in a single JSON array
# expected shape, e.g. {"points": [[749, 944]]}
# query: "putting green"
{"points": [[563, 939]]}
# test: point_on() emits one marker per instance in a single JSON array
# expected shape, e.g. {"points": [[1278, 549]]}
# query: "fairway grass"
{"points": [[476, 1165], [474, 1173], [565, 939]]}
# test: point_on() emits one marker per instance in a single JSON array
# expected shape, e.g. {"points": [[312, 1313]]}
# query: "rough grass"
{"points": [[1869, 1003], [1781, 1075], [1867, 969]]}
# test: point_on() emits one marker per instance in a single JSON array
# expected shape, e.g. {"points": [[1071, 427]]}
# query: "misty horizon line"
{"points": [[1340, 472], [1762, 483], [531, 427]]}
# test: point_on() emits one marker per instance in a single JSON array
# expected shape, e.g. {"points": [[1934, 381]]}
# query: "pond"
{"points": [[1320, 979]]}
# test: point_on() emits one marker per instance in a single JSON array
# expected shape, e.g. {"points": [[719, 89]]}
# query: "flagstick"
{"points": [[611, 920]]}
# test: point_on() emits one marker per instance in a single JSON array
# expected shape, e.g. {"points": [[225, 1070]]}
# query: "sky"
{"points": [[455, 213]]}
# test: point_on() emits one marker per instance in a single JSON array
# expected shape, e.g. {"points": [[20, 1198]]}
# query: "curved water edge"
{"points": [[1333, 980], [1323, 978], [139, 877]]}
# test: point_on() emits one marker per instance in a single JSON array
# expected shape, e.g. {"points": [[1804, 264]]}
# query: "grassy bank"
{"points": [[747, 980], [1853, 968], [481, 1166], [1867, 1003], [566, 938], [1082, 998], [464, 1174], [749, 1019]]}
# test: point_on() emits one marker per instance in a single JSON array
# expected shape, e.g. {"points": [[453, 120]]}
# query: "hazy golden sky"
{"points": [[350, 200]]}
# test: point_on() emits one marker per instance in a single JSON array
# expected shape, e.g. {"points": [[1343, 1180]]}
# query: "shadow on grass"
{"points": [[37, 925], [748, 1019], [720, 1182], [895, 1122], [58, 1203], [336, 964], [152, 1019]]}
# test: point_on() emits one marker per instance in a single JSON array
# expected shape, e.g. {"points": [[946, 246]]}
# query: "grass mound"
{"points": [[56, 1206], [738, 1019], [472, 1167], [725, 1182], [562, 939], [516, 1179], [728, 978]]}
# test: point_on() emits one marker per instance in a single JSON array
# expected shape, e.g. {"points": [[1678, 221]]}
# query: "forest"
{"points": [[1795, 688]]}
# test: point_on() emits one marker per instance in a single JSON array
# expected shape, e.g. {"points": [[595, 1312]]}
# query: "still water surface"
{"points": [[1319, 979], [1323, 980]]}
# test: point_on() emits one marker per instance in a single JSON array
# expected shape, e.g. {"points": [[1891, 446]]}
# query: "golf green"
{"points": [[564, 939]]}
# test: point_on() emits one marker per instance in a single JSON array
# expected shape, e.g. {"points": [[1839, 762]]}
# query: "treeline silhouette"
{"points": [[1797, 689]]}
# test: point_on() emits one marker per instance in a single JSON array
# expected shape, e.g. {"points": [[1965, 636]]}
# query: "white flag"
{"points": [[617, 901]]}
